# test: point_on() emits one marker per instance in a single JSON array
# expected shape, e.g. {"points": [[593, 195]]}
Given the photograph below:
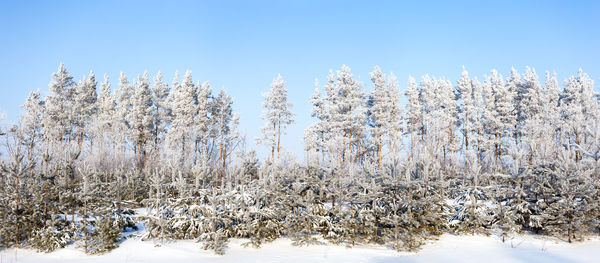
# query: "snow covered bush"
{"points": [[52, 237]]}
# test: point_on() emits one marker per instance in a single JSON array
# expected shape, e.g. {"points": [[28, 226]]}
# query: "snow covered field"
{"points": [[449, 248]]}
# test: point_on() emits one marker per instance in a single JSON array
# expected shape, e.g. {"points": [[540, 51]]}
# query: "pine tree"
{"points": [[183, 110], [504, 111], [106, 122], [413, 111], [518, 92], [347, 111], [533, 97], [464, 91], [31, 121], [478, 117], [317, 132], [84, 108], [533, 106], [277, 116], [427, 89], [124, 107], [141, 120], [161, 111], [223, 116], [446, 113], [551, 99], [578, 107], [332, 123], [394, 117], [202, 120], [57, 106], [379, 116]]}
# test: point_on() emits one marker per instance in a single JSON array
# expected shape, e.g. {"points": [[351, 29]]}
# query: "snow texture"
{"points": [[449, 248]]}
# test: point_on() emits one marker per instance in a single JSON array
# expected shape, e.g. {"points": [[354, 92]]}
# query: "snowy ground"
{"points": [[448, 248]]}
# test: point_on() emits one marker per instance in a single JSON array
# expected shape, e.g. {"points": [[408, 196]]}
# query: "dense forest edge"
{"points": [[498, 156]]}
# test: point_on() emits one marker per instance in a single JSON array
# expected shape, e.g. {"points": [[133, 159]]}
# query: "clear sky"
{"points": [[241, 46]]}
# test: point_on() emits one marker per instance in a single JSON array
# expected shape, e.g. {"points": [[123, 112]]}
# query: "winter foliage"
{"points": [[498, 155]]}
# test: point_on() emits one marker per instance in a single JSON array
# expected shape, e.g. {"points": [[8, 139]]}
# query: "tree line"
{"points": [[502, 155]]}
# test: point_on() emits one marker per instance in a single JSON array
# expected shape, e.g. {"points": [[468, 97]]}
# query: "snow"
{"points": [[449, 248]]}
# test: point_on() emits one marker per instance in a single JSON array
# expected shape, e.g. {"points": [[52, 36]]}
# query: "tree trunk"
{"points": [[516, 134], [183, 150], [379, 151], [273, 146], [450, 138], [278, 137], [196, 146], [411, 140], [224, 161], [343, 153], [357, 148], [597, 180], [466, 131], [91, 145], [577, 152], [85, 234], [18, 216], [31, 145], [307, 157], [80, 140]]}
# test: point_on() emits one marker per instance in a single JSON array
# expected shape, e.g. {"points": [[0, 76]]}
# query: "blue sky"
{"points": [[241, 46]]}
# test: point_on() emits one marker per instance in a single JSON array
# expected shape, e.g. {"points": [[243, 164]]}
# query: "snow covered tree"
{"points": [[183, 110], [277, 114], [379, 106], [58, 108], [514, 86], [413, 111], [107, 119], [445, 114], [84, 108], [439, 116], [533, 97], [579, 108], [17, 216], [478, 117], [346, 112], [384, 113], [124, 107], [551, 97], [394, 117], [202, 121], [315, 137], [464, 91], [31, 121], [141, 120], [502, 116], [427, 89], [225, 123], [161, 111], [533, 106]]}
